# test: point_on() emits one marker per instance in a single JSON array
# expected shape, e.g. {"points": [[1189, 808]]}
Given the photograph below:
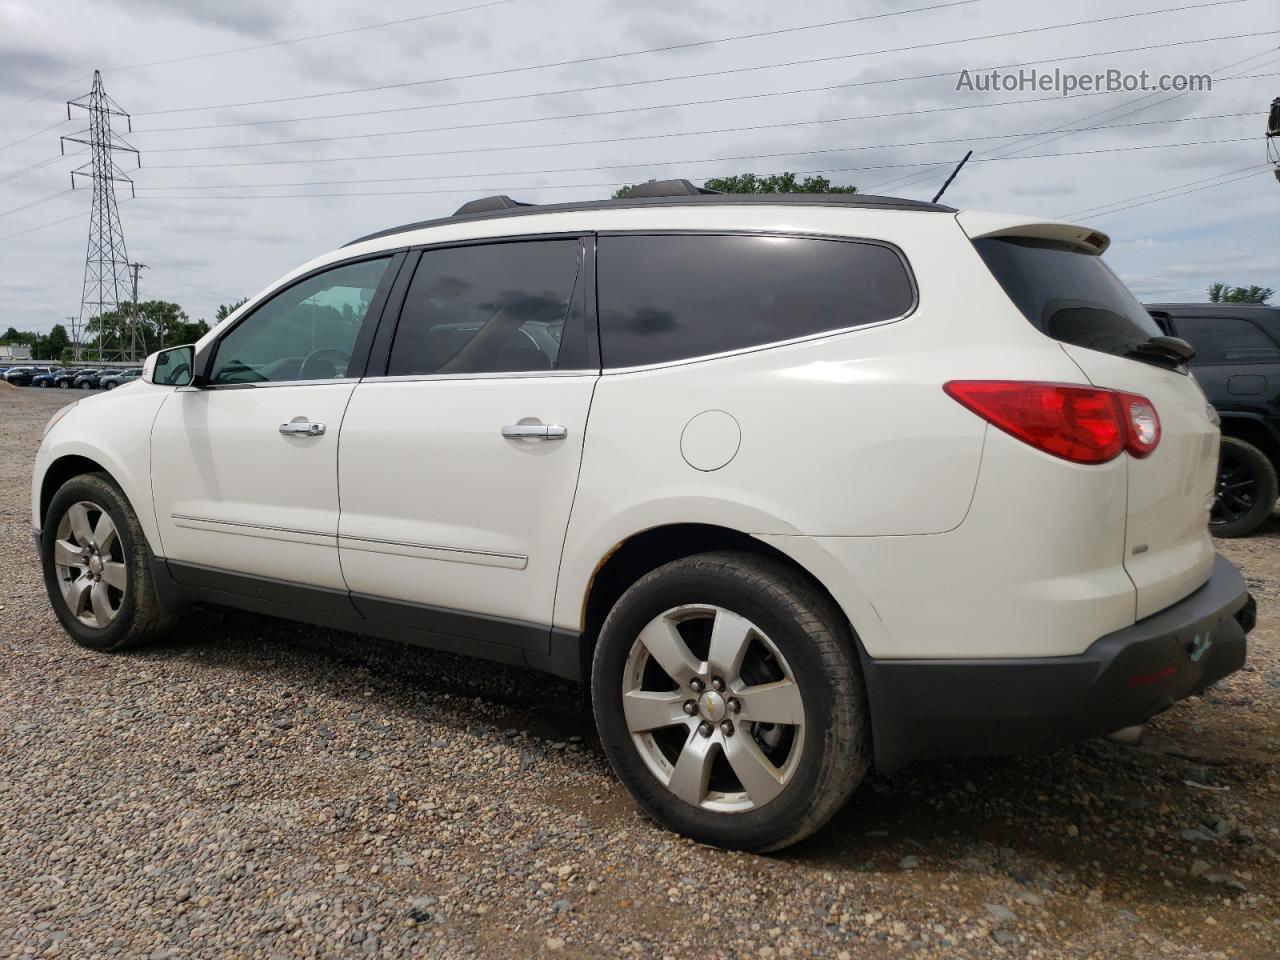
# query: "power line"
{"points": [[669, 163], [584, 186], [32, 136], [1090, 211], [38, 166], [699, 43], [910, 180], [33, 203], [631, 139], [484, 101], [53, 223], [1182, 193], [314, 36], [41, 96]]}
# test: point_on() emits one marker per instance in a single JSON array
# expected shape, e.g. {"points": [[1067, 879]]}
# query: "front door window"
{"points": [[306, 332]]}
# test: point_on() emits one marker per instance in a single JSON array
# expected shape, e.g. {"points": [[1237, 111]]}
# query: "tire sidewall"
{"points": [[1265, 477], [105, 495], [671, 587]]}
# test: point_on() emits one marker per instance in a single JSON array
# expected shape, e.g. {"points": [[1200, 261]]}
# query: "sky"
{"points": [[478, 97]]}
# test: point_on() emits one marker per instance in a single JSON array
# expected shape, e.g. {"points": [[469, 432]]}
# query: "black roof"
{"points": [[503, 207], [1259, 310]]}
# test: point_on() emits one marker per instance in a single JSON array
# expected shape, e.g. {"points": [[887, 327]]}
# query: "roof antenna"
{"points": [[937, 195]]}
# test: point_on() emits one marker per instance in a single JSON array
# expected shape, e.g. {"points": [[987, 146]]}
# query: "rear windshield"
{"points": [[1069, 295]]}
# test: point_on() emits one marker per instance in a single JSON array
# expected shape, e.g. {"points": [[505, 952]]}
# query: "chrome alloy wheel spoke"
{"points": [[724, 729], [92, 581]]}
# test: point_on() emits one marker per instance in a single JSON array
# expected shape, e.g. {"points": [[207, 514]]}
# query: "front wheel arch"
{"points": [[62, 470]]}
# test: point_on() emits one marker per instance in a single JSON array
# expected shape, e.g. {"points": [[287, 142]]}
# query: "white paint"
{"points": [[710, 440]]}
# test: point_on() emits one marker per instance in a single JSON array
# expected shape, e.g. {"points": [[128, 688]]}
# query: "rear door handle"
{"points": [[534, 431], [302, 427]]}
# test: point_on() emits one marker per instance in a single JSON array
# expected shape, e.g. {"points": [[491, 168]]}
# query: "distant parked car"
{"points": [[21, 376], [89, 379], [1237, 364], [109, 381], [66, 378], [45, 379]]}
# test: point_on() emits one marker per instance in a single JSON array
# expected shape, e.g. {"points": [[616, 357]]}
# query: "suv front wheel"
{"points": [[729, 700], [96, 569]]}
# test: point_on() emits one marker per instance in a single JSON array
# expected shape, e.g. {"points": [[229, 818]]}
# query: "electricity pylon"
{"points": [[106, 262]]}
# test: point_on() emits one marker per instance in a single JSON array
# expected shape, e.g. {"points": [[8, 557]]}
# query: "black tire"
{"points": [[1246, 492], [140, 618], [63, 384], [815, 640]]}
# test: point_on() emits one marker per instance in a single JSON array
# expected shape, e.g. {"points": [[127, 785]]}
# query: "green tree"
{"points": [[225, 310], [1225, 293], [56, 343], [754, 183], [158, 322]]}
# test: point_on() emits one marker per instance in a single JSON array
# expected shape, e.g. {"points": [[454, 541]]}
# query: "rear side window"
{"points": [[491, 308], [1068, 294], [665, 298], [1226, 340]]}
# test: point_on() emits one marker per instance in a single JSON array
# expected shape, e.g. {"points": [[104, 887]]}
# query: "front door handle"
{"points": [[302, 427], [534, 431]]}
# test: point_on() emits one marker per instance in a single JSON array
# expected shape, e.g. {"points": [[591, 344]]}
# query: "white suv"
{"points": [[799, 485]]}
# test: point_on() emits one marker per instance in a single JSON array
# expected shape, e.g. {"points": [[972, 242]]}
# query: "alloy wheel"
{"points": [[1237, 488], [88, 557], [713, 708]]}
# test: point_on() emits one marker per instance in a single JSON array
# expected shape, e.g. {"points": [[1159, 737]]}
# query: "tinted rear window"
{"points": [[1067, 294], [665, 298]]}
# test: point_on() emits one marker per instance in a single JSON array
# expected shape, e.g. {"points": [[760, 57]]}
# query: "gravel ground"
{"points": [[256, 788]]}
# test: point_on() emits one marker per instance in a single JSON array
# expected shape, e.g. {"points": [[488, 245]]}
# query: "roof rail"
{"points": [[667, 188], [489, 205]]}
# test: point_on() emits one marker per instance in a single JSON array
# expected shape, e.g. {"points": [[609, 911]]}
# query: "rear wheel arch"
{"points": [[1254, 432], [646, 550]]}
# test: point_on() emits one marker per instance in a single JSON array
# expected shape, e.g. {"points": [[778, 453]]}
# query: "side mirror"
{"points": [[170, 368]]}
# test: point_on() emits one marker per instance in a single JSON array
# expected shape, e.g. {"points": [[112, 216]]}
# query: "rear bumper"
{"points": [[933, 708]]}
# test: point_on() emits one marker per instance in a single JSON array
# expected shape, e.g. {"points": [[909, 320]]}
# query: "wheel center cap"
{"points": [[95, 564], [712, 706]]}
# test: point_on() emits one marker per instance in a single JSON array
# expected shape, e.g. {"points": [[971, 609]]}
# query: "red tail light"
{"points": [[1080, 424]]}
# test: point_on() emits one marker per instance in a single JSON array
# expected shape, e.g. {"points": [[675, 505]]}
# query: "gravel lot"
{"points": [[256, 788]]}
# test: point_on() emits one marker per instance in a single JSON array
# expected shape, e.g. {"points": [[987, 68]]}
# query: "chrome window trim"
{"points": [[912, 309], [772, 345], [256, 385], [521, 375]]}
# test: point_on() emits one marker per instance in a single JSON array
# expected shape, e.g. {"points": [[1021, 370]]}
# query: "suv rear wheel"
{"points": [[729, 700], [1246, 491], [95, 567]]}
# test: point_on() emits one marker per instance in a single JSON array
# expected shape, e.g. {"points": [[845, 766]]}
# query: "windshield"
{"points": [[1068, 294]]}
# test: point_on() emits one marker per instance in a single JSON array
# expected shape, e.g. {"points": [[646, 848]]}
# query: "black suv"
{"points": [[1237, 362]]}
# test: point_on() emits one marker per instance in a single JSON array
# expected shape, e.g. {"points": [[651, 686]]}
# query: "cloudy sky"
{"points": [[478, 101]]}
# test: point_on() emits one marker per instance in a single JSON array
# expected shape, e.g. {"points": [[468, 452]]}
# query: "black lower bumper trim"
{"points": [[934, 708]]}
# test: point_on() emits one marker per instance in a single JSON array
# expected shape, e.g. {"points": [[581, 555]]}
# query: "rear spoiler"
{"points": [[1085, 239]]}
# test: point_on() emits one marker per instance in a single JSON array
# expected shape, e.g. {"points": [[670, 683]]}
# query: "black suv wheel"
{"points": [[1246, 491]]}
